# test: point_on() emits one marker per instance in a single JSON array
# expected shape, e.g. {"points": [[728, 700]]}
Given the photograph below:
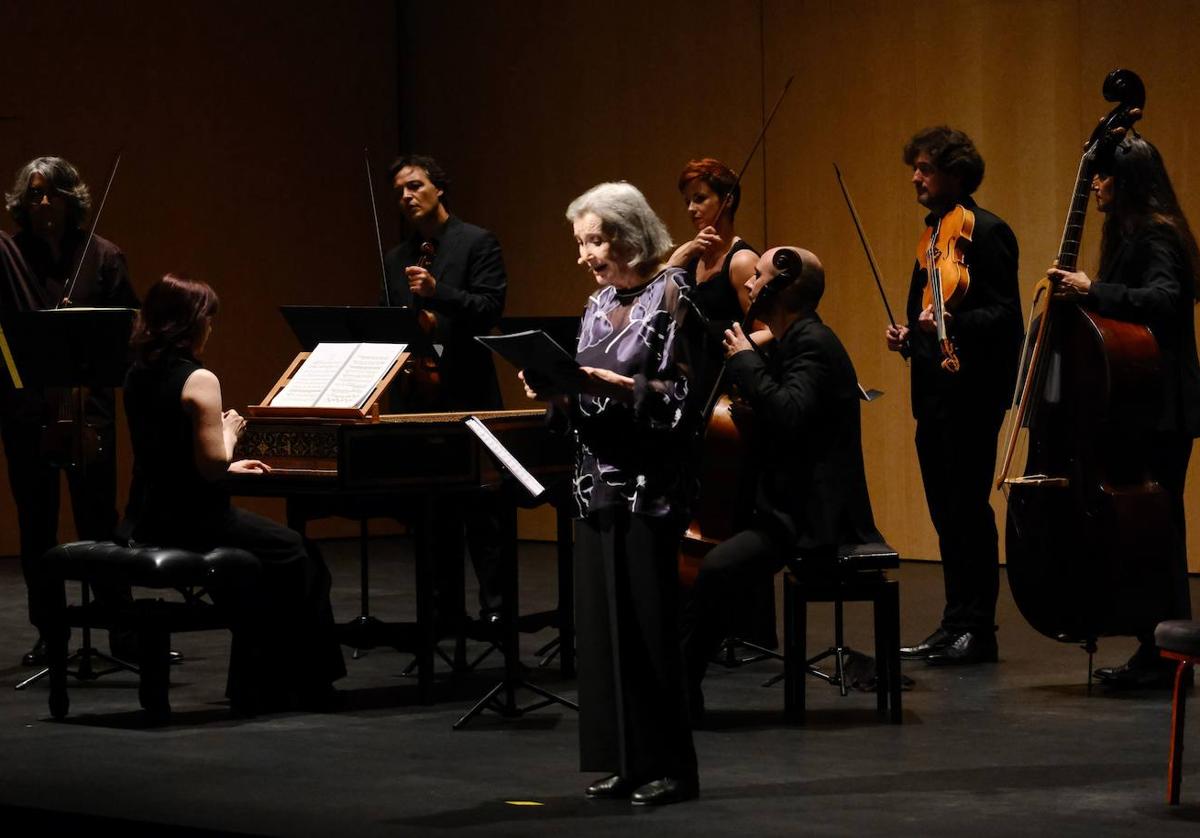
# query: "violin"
{"points": [[940, 254], [424, 379]]}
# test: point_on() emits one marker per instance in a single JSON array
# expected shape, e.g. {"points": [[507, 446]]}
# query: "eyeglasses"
{"points": [[36, 194]]}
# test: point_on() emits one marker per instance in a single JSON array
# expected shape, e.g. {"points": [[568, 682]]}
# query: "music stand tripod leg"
{"points": [[502, 696]]}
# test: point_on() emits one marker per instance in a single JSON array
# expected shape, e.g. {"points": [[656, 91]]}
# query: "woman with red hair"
{"points": [[284, 652]]}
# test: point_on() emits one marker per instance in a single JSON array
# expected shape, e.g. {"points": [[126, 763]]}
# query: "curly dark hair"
{"points": [[951, 151], [62, 177], [172, 318]]}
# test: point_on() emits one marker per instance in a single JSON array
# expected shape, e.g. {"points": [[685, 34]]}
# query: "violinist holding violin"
{"points": [[50, 203], [1150, 274], [453, 273], [964, 344]]}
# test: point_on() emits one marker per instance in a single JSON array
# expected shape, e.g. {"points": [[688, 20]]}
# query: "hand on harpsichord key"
{"points": [[233, 423], [249, 467]]}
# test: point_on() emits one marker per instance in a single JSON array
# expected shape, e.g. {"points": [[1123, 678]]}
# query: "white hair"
{"points": [[627, 219]]}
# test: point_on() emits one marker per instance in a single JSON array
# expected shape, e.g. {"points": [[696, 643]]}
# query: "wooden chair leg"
{"points": [[883, 659], [1178, 708], [896, 684], [155, 680], [795, 645]]}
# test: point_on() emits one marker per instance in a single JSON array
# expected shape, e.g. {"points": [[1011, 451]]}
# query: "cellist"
{"points": [[1150, 274], [959, 413], [811, 495]]}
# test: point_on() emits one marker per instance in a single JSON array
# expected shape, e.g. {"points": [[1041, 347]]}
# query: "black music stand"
{"points": [[313, 325], [502, 696], [357, 324], [73, 348]]}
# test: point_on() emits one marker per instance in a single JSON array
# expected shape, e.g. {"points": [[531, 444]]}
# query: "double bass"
{"points": [[1088, 528]]}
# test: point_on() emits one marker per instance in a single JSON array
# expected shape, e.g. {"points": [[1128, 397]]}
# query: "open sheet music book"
{"points": [[338, 375]]}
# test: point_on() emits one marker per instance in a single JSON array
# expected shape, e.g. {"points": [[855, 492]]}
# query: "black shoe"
{"points": [[666, 790], [612, 787], [940, 639], [35, 656], [1144, 671], [489, 627], [966, 648]]}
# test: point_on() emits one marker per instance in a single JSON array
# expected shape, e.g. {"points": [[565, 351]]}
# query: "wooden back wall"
{"points": [[243, 128]]}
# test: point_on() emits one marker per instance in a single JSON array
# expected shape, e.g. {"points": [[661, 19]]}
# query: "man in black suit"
{"points": [[460, 294], [812, 490], [959, 414]]}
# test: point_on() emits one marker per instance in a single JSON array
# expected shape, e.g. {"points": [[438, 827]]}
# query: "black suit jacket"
{"points": [[1149, 281], [986, 327], [468, 301], [812, 490]]}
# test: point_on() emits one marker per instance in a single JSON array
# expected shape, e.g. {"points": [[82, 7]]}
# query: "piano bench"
{"points": [[153, 620], [857, 573]]}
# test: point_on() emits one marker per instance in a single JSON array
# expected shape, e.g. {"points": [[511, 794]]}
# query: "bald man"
{"points": [[812, 490]]}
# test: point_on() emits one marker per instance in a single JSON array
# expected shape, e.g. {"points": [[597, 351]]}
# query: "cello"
{"points": [[1087, 531]]}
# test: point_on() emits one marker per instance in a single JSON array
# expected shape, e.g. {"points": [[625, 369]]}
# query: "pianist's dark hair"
{"points": [[172, 319]]}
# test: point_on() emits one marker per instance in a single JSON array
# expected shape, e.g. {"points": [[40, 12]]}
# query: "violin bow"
{"points": [[715, 394], [762, 135], [387, 293], [862, 236], [66, 298]]}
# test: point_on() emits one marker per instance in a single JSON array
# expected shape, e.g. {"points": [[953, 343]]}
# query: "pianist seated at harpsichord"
{"points": [[285, 655]]}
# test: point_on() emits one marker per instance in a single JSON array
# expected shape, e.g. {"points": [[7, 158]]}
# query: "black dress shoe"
{"points": [[612, 787], [966, 648], [664, 791], [940, 639], [35, 656], [1144, 671]]}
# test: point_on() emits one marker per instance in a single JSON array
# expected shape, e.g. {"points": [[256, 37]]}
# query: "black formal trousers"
{"points": [[957, 455], [633, 713], [716, 603], [36, 488], [284, 641]]}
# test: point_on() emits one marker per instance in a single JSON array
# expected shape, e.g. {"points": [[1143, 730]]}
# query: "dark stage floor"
{"points": [[1013, 748]]}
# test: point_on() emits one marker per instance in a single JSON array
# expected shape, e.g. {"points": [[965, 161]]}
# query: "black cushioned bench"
{"points": [[154, 620], [857, 573]]}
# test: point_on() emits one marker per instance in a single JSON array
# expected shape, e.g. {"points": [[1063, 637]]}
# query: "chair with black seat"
{"points": [[227, 570], [1178, 640], [857, 573]]}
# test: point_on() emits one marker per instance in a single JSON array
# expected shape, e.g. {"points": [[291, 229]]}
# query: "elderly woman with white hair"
{"points": [[631, 428]]}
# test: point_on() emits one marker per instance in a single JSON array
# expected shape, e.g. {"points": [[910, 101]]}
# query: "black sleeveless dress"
{"points": [[717, 306], [285, 649]]}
